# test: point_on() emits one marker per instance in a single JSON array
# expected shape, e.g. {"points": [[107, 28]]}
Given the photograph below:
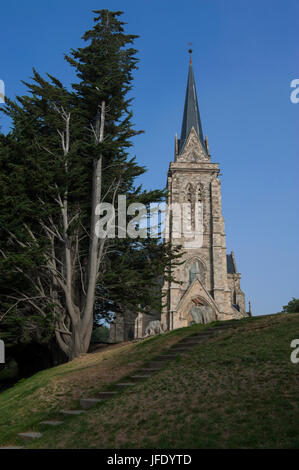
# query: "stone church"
{"points": [[207, 284]]}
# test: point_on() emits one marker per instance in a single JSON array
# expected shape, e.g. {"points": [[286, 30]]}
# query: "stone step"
{"points": [[220, 327], [51, 423], [215, 329], [174, 351], [160, 363], [180, 350], [191, 343], [87, 403], [166, 356], [104, 395], [206, 334], [30, 435], [217, 332], [139, 377], [198, 335], [125, 385], [182, 346], [195, 341], [150, 370], [196, 338], [171, 355], [72, 412]]}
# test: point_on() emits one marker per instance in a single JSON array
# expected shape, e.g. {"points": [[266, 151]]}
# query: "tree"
{"points": [[68, 152], [100, 335], [292, 306]]}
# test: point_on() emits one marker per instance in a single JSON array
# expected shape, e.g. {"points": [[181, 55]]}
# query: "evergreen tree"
{"points": [[292, 306], [67, 152]]}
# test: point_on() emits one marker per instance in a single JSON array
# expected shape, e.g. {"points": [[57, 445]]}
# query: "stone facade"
{"points": [[203, 283], [207, 284], [122, 327], [130, 325]]}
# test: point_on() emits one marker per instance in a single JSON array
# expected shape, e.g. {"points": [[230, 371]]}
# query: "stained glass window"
{"points": [[193, 271]]}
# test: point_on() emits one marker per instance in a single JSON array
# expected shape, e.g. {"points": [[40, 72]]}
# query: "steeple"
{"points": [[191, 112]]}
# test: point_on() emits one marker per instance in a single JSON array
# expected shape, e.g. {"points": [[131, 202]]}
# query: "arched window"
{"points": [[189, 193], [194, 270], [199, 195]]}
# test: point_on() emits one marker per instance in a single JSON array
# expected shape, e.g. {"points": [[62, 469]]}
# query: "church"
{"points": [[207, 284]]}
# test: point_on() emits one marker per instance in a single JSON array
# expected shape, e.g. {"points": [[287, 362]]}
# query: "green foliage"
{"points": [[134, 274], [100, 335], [34, 169], [10, 371], [236, 390], [292, 306]]}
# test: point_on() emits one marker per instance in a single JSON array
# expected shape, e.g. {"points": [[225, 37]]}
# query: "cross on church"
{"points": [[190, 51], [216, 293]]}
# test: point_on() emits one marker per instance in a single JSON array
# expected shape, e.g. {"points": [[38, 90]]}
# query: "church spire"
{"points": [[191, 112]]}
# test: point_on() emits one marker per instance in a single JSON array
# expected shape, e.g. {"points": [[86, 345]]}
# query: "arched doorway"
{"points": [[200, 312]]}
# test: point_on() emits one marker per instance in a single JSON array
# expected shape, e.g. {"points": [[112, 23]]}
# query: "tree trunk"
{"points": [[76, 348], [82, 320]]}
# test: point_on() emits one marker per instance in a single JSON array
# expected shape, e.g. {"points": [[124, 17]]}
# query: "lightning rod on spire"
{"points": [[190, 52]]}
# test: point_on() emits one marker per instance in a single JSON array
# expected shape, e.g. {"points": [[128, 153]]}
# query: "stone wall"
{"points": [[193, 176]]}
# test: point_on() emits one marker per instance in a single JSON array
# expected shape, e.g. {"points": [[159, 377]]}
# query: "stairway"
{"points": [[154, 366]]}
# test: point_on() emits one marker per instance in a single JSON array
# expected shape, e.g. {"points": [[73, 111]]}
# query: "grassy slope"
{"points": [[236, 390]]}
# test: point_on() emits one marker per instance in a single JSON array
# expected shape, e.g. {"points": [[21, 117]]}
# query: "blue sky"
{"points": [[245, 56]]}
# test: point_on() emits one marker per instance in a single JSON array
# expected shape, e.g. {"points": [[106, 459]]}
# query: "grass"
{"points": [[37, 398], [236, 390]]}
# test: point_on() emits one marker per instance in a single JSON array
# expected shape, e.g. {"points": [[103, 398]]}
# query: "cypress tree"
{"points": [[67, 152]]}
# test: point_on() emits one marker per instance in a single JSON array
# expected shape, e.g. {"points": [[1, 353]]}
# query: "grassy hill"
{"points": [[236, 390]]}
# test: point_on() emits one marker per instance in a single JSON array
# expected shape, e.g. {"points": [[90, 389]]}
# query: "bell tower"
{"points": [[204, 290]]}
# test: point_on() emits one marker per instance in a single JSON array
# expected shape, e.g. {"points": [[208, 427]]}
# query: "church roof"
{"points": [[191, 116], [230, 264]]}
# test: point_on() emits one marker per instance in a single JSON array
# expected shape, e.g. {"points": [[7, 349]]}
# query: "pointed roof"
{"points": [[191, 116], [231, 263], [196, 290]]}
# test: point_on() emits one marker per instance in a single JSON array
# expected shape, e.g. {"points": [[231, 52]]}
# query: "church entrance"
{"points": [[200, 312]]}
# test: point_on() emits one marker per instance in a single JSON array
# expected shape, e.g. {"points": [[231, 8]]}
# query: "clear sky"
{"points": [[245, 56]]}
